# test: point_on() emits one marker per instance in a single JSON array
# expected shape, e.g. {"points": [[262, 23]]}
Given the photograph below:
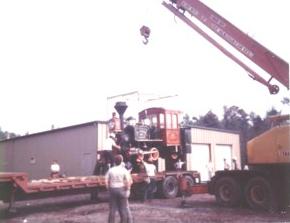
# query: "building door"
{"points": [[222, 152], [87, 164], [198, 160]]}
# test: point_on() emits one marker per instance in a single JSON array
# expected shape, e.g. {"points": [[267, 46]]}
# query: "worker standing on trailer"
{"points": [[114, 123], [110, 148], [55, 169], [118, 182]]}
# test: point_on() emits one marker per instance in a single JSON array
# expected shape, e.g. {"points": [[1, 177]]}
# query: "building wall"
{"points": [[208, 149], [75, 149]]}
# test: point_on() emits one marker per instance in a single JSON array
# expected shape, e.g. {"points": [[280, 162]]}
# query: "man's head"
{"points": [[118, 159], [112, 135]]}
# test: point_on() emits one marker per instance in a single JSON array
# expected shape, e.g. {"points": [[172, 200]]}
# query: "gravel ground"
{"points": [[79, 209]]}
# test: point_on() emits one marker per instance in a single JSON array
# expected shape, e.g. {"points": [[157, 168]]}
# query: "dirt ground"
{"points": [[79, 209]]}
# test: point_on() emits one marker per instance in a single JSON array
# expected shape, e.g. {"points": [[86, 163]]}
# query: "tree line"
{"points": [[237, 120], [233, 119], [6, 135]]}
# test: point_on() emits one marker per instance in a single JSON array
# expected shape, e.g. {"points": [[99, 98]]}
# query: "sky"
{"points": [[60, 60]]}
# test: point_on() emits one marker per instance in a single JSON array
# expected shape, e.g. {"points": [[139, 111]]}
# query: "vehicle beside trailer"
{"points": [[265, 185]]}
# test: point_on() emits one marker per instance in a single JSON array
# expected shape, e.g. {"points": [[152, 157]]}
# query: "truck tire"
{"points": [[260, 195], [169, 187], [228, 192]]}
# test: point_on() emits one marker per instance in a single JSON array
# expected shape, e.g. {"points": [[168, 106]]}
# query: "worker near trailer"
{"points": [[226, 165], [150, 183], [138, 164], [234, 163], [118, 181], [110, 148], [54, 169], [179, 164]]}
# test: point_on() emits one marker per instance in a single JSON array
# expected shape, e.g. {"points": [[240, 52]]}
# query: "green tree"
{"points": [[258, 125], [209, 120], [237, 119], [186, 122], [5, 135]]}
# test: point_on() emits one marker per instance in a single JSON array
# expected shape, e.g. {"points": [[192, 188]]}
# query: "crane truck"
{"points": [[266, 185]]}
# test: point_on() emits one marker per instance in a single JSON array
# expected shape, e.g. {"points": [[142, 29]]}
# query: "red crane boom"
{"points": [[260, 55]]}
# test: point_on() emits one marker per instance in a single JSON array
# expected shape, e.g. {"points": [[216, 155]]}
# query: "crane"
{"points": [[250, 48]]}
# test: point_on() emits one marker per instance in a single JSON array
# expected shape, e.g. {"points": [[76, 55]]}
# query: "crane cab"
{"points": [[163, 125]]}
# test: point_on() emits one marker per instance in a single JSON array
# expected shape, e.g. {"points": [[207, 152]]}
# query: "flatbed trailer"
{"points": [[16, 186]]}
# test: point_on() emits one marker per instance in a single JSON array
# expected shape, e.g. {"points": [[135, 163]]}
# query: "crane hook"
{"points": [[145, 32]]}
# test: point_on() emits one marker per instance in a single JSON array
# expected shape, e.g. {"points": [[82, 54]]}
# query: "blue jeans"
{"points": [[150, 190], [119, 202]]}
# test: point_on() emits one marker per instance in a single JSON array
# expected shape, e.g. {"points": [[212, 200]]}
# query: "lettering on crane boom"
{"points": [[216, 25], [284, 153]]}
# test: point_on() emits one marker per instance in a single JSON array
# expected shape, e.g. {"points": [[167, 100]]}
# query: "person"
{"points": [[234, 163], [150, 184], [114, 123], [210, 169], [110, 147], [101, 166], [226, 165], [138, 165], [118, 182], [179, 164], [54, 169], [173, 160]]}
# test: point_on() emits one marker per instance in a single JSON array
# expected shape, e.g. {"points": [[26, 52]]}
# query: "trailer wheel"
{"points": [[185, 185], [259, 194], [169, 187], [228, 192]]}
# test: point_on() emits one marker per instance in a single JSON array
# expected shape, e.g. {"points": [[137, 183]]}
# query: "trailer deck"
{"points": [[16, 186]]}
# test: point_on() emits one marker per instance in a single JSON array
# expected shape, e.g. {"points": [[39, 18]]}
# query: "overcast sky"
{"points": [[60, 60]]}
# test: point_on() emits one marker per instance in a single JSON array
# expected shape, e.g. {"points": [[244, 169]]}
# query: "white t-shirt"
{"points": [[178, 164], [150, 169], [117, 177], [109, 143], [55, 168]]}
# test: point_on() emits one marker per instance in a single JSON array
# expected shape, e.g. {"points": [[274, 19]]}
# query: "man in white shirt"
{"points": [[118, 182], [109, 145], [54, 169], [178, 165]]}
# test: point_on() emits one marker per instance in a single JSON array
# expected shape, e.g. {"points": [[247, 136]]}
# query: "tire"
{"points": [[228, 192], [189, 182], [169, 187], [260, 195]]}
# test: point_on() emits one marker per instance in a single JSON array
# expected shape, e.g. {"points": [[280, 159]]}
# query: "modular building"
{"points": [[74, 148], [209, 150]]}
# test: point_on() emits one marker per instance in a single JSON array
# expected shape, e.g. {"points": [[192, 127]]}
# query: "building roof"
{"points": [[55, 130], [213, 129]]}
